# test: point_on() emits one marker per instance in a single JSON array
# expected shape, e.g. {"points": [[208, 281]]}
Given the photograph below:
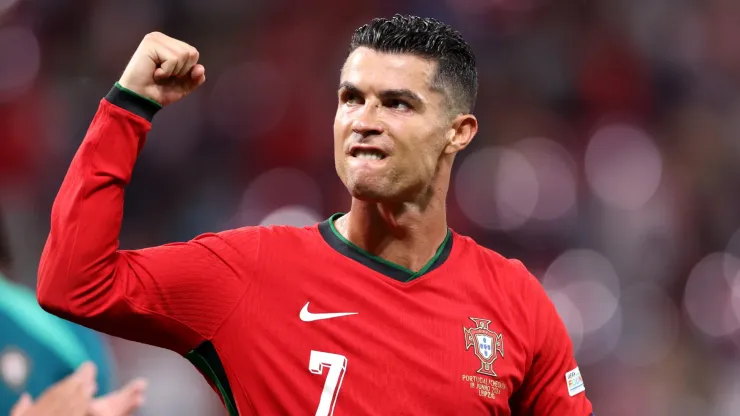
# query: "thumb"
{"points": [[86, 374], [122, 402], [160, 73], [22, 406]]}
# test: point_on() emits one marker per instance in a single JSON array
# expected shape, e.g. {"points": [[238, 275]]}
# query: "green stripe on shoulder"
{"points": [[20, 305]]}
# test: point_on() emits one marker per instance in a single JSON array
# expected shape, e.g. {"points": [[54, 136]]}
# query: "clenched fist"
{"points": [[163, 69]]}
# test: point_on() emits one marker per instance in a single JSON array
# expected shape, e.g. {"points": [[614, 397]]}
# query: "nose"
{"points": [[366, 122]]}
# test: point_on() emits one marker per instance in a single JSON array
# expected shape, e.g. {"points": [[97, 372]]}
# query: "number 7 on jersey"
{"points": [[337, 366]]}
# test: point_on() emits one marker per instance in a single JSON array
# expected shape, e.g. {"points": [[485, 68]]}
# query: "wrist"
{"points": [[128, 90], [133, 102]]}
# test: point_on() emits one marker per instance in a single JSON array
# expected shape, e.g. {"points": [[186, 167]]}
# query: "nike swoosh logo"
{"points": [[307, 316]]}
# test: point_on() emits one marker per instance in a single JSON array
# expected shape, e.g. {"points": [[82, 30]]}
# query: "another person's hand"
{"points": [[70, 397], [122, 402]]}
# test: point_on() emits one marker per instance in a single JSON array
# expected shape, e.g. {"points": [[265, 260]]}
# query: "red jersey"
{"points": [[300, 321]]}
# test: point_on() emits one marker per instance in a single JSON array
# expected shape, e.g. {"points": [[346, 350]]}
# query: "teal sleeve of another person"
{"points": [[98, 352], [38, 349]]}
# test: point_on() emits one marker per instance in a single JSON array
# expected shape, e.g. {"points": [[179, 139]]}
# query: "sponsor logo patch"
{"points": [[574, 382]]}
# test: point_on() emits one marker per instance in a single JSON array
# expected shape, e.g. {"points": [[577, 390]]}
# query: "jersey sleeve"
{"points": [[552, 384], [173, 296]]}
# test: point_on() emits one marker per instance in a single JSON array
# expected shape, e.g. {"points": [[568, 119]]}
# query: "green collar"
{"points": [[349, 249]]}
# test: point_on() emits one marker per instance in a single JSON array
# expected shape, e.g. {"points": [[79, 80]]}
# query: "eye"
{"points": [[398, 104], [350, 98]]}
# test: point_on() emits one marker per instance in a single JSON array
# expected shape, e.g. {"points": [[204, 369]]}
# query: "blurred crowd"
{"points": [[607, 161]]}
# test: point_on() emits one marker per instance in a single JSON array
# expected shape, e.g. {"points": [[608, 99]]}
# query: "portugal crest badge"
{"points": [[486, 344]]}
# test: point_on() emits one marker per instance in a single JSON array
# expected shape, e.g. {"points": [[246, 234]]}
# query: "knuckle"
{"points": [[152, 35]]}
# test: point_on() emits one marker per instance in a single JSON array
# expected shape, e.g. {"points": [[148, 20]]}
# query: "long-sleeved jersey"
{"points": [[299, 321]]}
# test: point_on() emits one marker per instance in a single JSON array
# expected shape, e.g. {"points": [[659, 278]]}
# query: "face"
{"points": [[391, 129]]}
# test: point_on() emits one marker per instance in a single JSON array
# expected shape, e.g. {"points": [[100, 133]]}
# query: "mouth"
{"points": [[367, 153]]}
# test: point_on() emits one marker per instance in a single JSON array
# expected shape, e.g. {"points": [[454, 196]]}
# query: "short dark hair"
{"points": [[430, 39]]}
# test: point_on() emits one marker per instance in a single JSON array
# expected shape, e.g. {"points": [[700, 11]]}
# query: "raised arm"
{"points": [[173, 296]]}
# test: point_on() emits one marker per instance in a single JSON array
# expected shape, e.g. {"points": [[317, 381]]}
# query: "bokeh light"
{"points": [[509, 193], [295, 216], [623, 166], [709, 292], [587, 280], [5, 5], [555, 171], [726, 396], [582, 265]]}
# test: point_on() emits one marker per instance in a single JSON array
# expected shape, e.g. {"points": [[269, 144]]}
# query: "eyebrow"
{"points": [[399, 93]]}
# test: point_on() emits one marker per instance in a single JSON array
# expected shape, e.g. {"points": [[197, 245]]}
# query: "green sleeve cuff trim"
{"points": [[122, 88], [133, 102]]}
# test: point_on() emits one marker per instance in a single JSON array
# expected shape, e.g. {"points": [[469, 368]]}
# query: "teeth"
{"points": [[368, 155]]}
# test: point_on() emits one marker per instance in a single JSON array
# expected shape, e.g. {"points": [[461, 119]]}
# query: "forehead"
{"points": [[369, 69]]}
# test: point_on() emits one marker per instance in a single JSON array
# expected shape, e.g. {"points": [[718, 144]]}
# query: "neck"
{"points": [[406, 234]]}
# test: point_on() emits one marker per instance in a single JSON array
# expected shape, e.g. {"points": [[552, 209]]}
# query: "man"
{"points": [[382, 310], [63, 363]]}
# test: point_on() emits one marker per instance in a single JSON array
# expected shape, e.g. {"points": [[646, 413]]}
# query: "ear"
{"points": [[461, 133]]}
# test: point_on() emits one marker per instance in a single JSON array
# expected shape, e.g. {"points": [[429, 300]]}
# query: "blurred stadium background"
{"points": [[607, 161]]}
